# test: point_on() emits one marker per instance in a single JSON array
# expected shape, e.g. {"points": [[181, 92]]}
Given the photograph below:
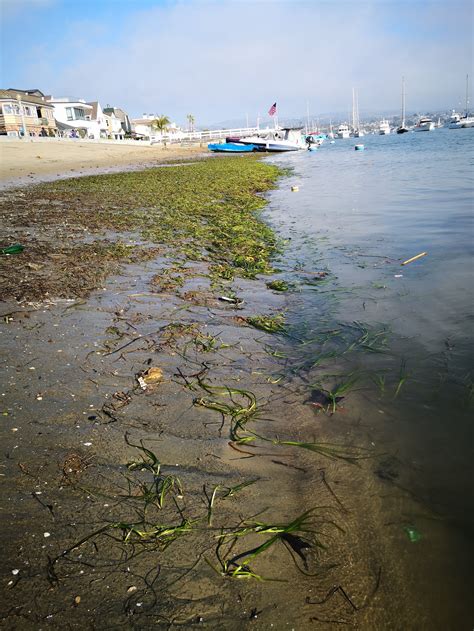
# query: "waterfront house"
{"points": [[29, 107], [73, 116], [122, 116]]}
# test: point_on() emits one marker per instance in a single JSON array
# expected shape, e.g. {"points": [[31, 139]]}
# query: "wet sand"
{"points": [[93, 539], [28, 162]]}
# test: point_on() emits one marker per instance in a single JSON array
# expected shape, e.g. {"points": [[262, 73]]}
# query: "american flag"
{"points": [[273, 109]]}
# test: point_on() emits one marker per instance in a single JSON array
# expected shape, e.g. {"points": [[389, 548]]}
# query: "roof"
{"points": [[95, 107], [142, 121], [26, 98], [33, 92]]}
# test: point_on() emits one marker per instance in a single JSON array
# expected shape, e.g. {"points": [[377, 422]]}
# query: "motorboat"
{"points": [[277, 140], [424, 124], [314, 140], [384, 128], [343, 131], [230, 147]]}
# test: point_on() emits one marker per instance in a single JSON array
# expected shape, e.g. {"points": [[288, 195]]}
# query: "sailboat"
{"points": [[331, 130], [403, 129], [357, 131], [457, 121]]}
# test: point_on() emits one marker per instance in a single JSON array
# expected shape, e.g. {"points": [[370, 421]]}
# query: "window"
{"points": [[29, 111], [70, 113], [11, 108], [79, 113]]}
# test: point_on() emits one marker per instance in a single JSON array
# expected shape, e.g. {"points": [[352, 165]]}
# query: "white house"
{"points": [[87, 119], [73, 114], [114, 127], [144, 127]]}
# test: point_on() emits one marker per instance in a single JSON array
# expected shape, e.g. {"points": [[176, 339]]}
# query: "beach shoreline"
{"points": [[29, 162]]}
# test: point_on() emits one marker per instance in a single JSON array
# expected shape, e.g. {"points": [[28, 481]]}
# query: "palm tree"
{"points": [[161, 123], [191, 121]]}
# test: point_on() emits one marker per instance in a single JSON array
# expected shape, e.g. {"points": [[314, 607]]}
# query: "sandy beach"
{"points": [[34, 161]]}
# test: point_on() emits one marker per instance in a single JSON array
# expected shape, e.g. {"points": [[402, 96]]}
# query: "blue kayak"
{"points": [[231, 147]]}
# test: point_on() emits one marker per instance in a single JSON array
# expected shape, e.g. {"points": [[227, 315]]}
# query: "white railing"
{"points": [[177, 138], [204, 136]]}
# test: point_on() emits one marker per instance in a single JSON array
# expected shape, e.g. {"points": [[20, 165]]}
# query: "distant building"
{"points": [[30, 105], [143, 128], [100, 124], [121, 115]]}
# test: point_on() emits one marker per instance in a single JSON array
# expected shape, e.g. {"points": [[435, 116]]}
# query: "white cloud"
{"points": [[224, 59]]}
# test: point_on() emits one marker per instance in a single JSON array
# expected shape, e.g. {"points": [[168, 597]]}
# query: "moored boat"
{"points": [[424, 124], [278, 140], [403, 129], [231, 147], [457, 121], [343, 131]]}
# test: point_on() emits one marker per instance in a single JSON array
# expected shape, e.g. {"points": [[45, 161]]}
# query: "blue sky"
{"points": [[223, 59]]}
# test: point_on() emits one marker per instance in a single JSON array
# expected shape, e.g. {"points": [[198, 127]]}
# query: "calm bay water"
{"points": [[400, 336]]}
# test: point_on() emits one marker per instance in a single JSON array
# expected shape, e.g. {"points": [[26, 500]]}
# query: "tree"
{"points": [[191, 121], [161, 123]]}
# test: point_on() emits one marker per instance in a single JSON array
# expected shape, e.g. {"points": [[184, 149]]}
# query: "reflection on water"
{"points": [[398, 337]]}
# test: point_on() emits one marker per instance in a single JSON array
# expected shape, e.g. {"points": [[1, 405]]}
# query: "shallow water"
{"points": [[358, 215]]}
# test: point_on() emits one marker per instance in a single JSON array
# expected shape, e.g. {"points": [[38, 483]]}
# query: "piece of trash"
{"points": [[295, 189], [398, 275], [46, 534], [34, 266], [39, 397], [142, 383], [152, 375], [15, 572], [16, 248], [412, 534], [233, 301], [131, 589], [414, 258], [87, 444]]}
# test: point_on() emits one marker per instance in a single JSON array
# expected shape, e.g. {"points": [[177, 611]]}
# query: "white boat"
{"points": [[456, 121], [384, 128], [343, 131], [277, 140], [424, 124]]}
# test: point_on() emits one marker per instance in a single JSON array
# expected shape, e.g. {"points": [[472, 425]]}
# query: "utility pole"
{"points": [[22, 112]]}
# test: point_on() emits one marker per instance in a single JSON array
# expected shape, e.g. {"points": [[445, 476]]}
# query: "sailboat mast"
{"points": [[403, 102], [353, 108], [467, 94]]}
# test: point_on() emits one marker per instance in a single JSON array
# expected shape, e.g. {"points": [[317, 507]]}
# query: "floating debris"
{"points": [[414, 258]]}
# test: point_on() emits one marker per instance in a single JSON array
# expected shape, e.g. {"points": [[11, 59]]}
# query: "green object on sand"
{"points": [[412, 533], [13, 249]]}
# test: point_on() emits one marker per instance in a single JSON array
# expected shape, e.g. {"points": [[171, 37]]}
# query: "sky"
{"points": [[222, 60]]}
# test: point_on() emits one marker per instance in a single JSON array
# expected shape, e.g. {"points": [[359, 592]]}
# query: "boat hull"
{"points": [[275, 147], [402, 130], [425, 127], [231, 147]]}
